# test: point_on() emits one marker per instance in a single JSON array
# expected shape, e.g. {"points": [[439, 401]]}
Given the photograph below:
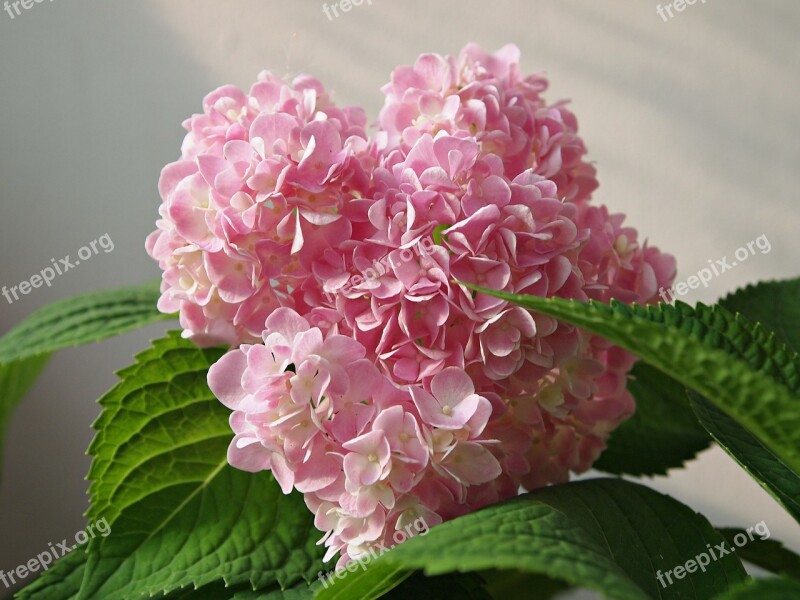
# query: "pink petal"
{"points": [[225, 378]]}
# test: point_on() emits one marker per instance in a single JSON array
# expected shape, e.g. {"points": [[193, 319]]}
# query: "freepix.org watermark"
{"points": [[44, 559], [336, 8], [13, 7], [419, 251], [418, 527], [677, 5], [713, 553], [48, 274], [715, 269]]}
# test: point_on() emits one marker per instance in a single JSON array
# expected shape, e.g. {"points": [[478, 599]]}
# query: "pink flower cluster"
{"points": [[365, 377]]}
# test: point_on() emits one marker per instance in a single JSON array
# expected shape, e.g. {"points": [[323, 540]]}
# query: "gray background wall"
{"points": [[693, 124]]}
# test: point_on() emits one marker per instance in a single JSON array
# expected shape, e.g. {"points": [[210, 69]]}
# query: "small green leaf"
{"points": [[766, 553], [609, 535], [662, 434], [437, 233]]}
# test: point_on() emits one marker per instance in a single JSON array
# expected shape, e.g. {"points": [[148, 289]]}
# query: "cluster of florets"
{"points": [[265, 183], [366, 376]]}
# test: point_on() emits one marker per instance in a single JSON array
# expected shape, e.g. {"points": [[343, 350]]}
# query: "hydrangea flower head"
{"points": [[363, 374]]}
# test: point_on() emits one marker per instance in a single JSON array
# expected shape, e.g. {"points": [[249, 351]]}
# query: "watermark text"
{"points": [[44, 559], [702, 560], [48, 274]]}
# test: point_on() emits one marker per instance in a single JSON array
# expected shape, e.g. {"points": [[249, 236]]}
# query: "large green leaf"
{"points": [[663, 432], [180, 517], [453, 586], [772, 588], [446, 587], [746, 372], [468, 586], [81, 320], [753, 456], [89, 318], [16, 378], [518, 585], [378, 579], [215, 591], [233, 526], [160, 415], [775, 306], [609, 535], [61, 582], [766, 553], [298, 592]]}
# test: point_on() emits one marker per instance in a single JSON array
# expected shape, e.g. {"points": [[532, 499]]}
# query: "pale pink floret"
{"points": [[452, 402]]}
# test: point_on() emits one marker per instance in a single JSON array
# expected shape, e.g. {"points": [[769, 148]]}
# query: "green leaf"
{"points": [[16, 378], [233, 526], [517, 585], [773, 303], [81, 320], [159, 414], [219, 591], [465, 586], [753, 456], [89, 318], [446, 587], [180, 517], [766, 553], [608, 535], [772, 588], [379, 578], [61, 582], [299, 592], [662, 434], [743, 370]]}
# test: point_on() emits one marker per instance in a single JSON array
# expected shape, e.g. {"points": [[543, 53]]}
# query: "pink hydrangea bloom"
{"points": [[262, 187], [365, 377], [486, 96]]}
